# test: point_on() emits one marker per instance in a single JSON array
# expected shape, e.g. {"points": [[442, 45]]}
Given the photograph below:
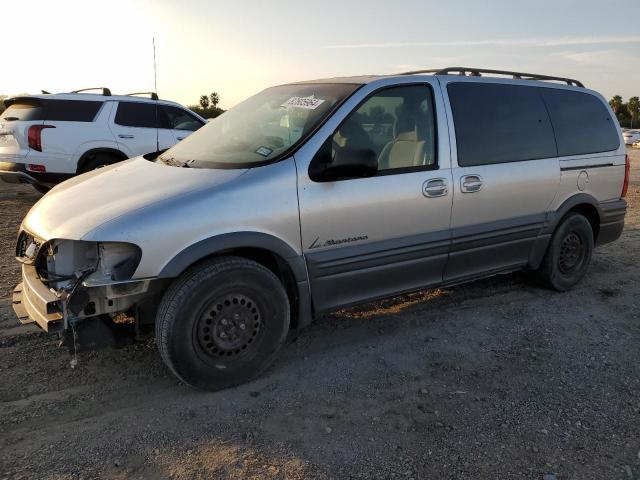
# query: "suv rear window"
{"points": [[34, 109], [581, 122], [25, 110], [139, 114], [499, 123]]}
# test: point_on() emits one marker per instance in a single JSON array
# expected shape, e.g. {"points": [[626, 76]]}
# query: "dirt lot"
{"points": [[497, 379]]}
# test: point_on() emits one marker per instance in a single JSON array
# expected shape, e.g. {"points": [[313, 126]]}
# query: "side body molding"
{"points": [[258, 240]]}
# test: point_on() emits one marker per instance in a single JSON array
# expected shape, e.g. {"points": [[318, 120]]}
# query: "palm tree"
{"points": [[633, 107], [215, 99], [616, 104], [204, 101]]}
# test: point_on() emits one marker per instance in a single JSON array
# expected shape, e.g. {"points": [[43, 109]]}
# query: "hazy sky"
{"points": [[239, 47]]}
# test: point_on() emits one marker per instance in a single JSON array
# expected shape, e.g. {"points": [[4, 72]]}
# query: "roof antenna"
{"points": [[155, 88]]}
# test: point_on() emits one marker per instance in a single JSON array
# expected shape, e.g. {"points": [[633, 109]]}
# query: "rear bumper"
{"points": [[611, 220], [11, 172], [34, 302]]}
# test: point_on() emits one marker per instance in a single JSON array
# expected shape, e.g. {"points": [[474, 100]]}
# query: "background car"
{"points": [[45, 139], [631, 136]]}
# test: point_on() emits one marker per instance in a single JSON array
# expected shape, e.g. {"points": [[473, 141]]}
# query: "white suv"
{"points": [[45, 139]]}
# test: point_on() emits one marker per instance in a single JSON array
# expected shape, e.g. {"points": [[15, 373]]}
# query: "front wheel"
{"points": [[222, 322], [43, 189], [568, 255]]}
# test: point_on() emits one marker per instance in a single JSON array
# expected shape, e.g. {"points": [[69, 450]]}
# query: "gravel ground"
{"points": [[496, 379]]}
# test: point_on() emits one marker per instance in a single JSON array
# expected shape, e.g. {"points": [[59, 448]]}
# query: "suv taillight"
{"points": [[34, 136], [625, 184]]}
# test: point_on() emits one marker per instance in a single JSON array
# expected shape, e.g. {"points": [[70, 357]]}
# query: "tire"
{"points": [[568, 255], [41, 188], [98, 160], [222, 322]]}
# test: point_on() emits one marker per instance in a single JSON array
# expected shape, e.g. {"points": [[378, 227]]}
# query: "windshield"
{"points": [[259, 129]]}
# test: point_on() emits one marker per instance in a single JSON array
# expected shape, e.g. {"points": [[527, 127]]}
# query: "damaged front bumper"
{"points": [[72, 286], [34, 302], [53, 311]]}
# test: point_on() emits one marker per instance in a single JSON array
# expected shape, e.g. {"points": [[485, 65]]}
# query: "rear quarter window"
{"points": [[581, 122], [499, 123], [71, 110]]}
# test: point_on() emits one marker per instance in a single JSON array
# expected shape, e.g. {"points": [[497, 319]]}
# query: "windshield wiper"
{"points": [[172, 162]]}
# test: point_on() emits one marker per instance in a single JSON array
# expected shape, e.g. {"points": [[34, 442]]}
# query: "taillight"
{"points": [[625, 184], [34, 136], [36, 168]]}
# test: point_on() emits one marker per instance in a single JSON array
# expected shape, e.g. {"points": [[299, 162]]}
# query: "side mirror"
{"points": [[329, 165]]}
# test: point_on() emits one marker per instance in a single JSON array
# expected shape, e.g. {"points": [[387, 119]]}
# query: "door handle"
{"points": [[471, 183], [125, 136], [181, 138], [436, 187]]}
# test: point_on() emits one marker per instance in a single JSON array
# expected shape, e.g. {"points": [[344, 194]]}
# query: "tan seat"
{"points": [[408, 147]]}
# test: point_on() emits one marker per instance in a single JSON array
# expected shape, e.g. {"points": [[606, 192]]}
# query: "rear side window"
{"points": [[581, 122], [499, 123], [24, 110], [138, 114], [180, 119], [71, 110]]}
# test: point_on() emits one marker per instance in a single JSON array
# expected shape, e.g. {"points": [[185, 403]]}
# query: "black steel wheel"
{"points": [[569, 253], [229, 327], [572, 253]]}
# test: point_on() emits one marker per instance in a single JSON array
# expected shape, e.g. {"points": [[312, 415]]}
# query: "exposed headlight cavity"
{"points": [[118, 262]]}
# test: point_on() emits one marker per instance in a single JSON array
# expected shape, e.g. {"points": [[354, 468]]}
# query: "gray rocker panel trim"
{"points": [[495, 246], [500, 231], [359, 273]]}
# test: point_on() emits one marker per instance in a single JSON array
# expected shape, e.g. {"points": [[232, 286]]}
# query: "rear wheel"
{"points": [[41, 188], [568, 255], [222, 322], [98, 160]]}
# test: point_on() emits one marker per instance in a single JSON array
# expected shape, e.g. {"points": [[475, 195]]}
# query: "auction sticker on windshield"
{"points": [[308, 103]]}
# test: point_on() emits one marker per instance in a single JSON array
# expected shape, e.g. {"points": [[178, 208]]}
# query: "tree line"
{"points": [[627, 113], [208, 106]]}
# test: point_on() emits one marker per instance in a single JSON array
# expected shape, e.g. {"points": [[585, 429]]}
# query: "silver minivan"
{"points": [[314, 196]]}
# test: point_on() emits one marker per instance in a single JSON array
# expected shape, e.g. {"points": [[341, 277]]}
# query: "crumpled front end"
{"points": [[67, 281]]}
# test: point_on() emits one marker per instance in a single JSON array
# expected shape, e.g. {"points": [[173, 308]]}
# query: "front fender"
{"points": [[304, 310], [228, 241]]}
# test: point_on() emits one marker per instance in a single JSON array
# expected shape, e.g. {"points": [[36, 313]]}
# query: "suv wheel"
{"points": [[40, 188], [222, 322], [98, 160], [569, 253]]}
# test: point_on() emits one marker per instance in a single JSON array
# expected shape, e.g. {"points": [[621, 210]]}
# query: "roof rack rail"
{"points": [[105, 91], [477, 72], [154, 95]]}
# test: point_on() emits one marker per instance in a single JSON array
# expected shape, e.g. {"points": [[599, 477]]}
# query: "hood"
{"points": [[83, 203]]}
